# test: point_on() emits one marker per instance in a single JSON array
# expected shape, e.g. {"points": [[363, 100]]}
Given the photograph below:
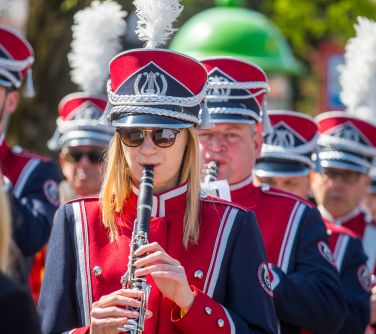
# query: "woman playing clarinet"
{"points": [[199, 265]]}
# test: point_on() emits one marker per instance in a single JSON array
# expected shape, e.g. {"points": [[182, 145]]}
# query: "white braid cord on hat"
{"points": [[93, 137], [285, 156], [238, 85], [327, 140], [220, 97], [301, 149], [7, 74], [118, 100], [336, 155], [16, 65], [234, 111], [81, 124], [154, 111]]}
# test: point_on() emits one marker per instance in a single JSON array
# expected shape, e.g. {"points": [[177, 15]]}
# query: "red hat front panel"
{"points": [[77, 124], [16, 57], [155, 87], [287, 150], [236, 90], [346, 141]]}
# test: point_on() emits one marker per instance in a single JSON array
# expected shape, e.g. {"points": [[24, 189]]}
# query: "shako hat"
{"points": [[287, 150], [16, 58], [155, 87], [346, 141], [77, 124], [236, 90]]}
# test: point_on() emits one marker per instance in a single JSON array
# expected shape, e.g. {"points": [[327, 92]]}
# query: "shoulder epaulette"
{"points": [[266, 189], [21, 152], [85, 198], [211, 199], [341, 230]]}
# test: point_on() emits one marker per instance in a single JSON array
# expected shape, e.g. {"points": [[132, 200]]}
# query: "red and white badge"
{"points": [[264, 278], [326, 252], [364, 277], [51, 191]]}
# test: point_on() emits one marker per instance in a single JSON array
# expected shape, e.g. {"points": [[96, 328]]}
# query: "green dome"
{"points": [[236, 32]]}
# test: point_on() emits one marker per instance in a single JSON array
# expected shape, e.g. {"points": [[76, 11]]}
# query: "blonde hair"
{"points": [[4, 231], [116, 187]]}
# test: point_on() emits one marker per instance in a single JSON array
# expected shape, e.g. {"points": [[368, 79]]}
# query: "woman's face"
{"points": [[166, 161]]}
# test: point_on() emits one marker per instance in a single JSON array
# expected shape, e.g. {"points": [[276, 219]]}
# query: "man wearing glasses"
{"points": [[285, 163], [81, 143], [347, 147]]}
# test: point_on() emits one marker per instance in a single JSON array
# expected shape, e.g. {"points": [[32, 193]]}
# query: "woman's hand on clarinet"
{"points": [[110, 311], [168, 274]]}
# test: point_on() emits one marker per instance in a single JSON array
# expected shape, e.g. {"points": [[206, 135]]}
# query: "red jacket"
{"points": [[236, 293]]}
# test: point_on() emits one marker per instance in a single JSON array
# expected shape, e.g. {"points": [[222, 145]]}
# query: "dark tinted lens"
{"points": [[164, 137], [131, 136], [73, 156], [95, 157]]}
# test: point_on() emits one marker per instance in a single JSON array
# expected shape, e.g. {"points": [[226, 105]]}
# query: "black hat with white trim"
{"points": [[346, 142], [288, 148]]}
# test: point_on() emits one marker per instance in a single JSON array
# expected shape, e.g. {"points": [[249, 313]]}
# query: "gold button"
{"points": [[199, 274], [221, 323], [208, 310], [97, 271]]}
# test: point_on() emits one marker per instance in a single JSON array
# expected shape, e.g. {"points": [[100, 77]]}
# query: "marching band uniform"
{"points": [[82, 265], [211, 267], [349, 143], [287, 152], [32, 178], [301, 263]]}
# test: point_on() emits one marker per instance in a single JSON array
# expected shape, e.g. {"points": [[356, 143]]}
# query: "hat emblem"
{"points": [[221, 93], [349, 132], [283, 136], [150, 83], [86, 111]]}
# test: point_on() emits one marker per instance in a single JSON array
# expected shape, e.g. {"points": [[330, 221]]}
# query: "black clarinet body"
{"points": [[139, 238]]}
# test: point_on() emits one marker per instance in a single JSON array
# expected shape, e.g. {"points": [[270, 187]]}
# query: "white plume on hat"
{"points": [[97, 32], [155, 18], [358, 74]]}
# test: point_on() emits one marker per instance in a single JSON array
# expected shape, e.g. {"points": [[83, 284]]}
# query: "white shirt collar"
{"points": [[241, 184], [159, 201]]}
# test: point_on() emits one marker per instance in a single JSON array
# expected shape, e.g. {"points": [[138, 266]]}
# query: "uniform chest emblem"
{"points": [[264, 278], [326, 252], [364, 277]]}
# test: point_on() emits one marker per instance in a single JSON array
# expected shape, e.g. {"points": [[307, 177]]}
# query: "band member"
{"points": [[14, 301], [347, 146], [285, 163], [81, 143], [195, 260], [294, 235], [32, 178]]}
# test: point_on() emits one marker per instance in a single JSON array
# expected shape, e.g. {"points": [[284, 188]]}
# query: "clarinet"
{"points": [[139, 238], [211, 171]]}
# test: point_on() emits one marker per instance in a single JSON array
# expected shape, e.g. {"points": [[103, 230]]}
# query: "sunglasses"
{"points": [[95, 157], [134, 137]]}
